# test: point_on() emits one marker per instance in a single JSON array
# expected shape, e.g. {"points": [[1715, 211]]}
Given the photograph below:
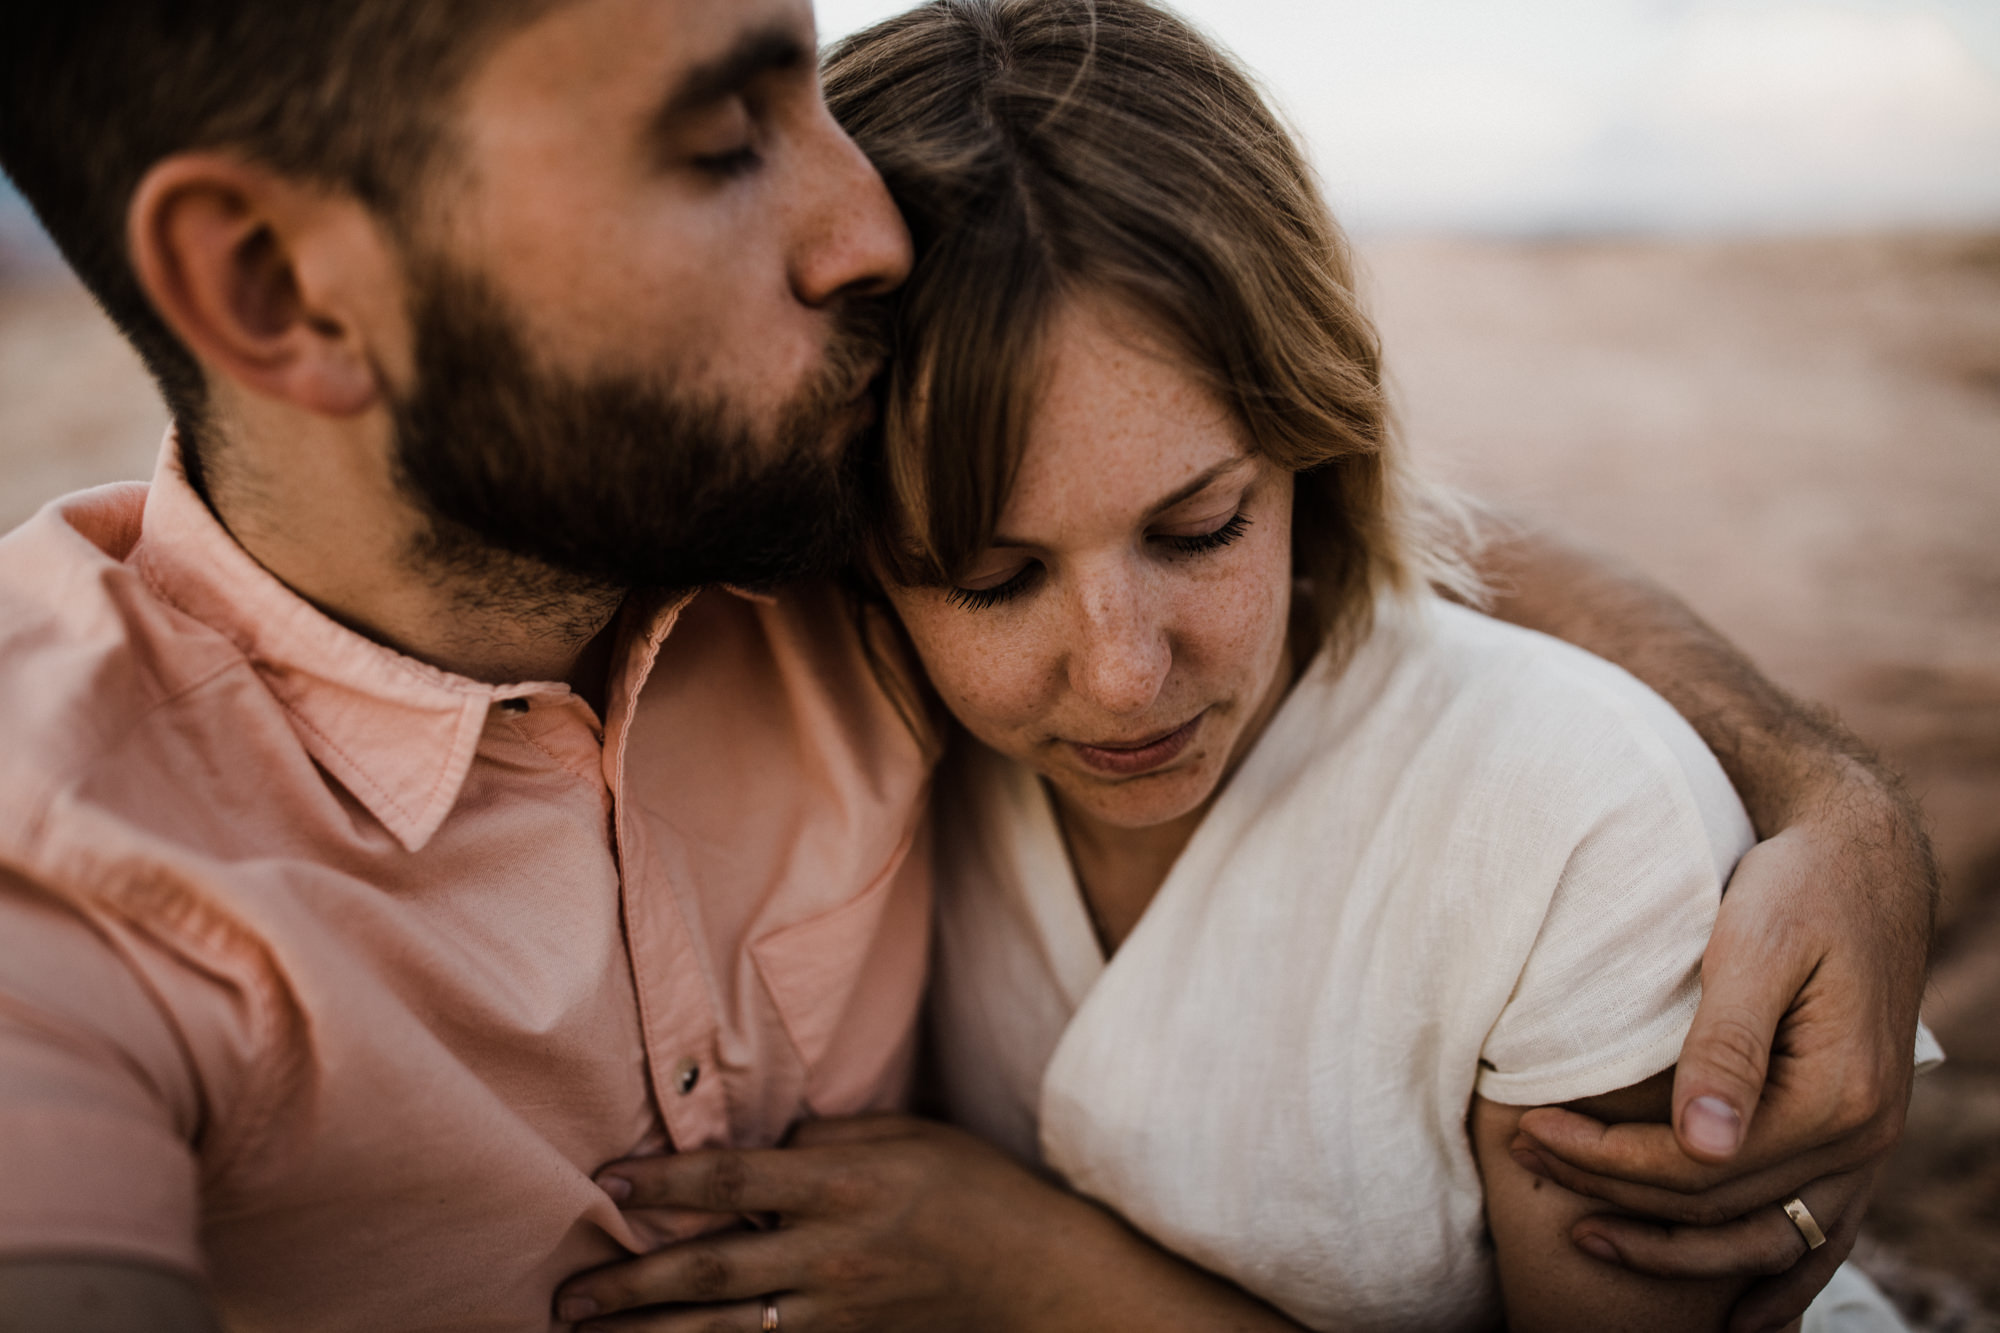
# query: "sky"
{"points": [[1677, 116], [1540, 117]]}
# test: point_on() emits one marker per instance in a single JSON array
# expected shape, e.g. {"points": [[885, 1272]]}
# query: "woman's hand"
{"points": [[890, 1223], [1821, 941], [1545, 1283]]}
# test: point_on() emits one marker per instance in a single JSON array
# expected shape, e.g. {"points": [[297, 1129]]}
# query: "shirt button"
{"points": [[513, 705], [686, 1074]]}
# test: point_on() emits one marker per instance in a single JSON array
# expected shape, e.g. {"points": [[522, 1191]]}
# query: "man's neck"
{"points": [[331, 524]]}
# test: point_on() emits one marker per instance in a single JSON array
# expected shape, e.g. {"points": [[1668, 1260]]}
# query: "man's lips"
{"points": [[1128, 759]]}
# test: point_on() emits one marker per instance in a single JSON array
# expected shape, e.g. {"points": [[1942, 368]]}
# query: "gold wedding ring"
{"points": [[1803, 1219], [770, 1324]]}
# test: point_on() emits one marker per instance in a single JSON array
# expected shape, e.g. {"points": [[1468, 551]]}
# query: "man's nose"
{"points": [[1120, 652], [852, 241]]}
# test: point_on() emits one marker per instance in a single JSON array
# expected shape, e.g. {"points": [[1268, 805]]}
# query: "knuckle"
{"points": [[707, 1273], [1855, 1108], [848, 1271], [1879, 1137], [1773, 1251], [848, 1190], [1734, 1049], [1705, 1213], [727, 1181]]}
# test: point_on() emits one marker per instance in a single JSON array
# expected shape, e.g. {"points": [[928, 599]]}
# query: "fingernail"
{"points": [[1532, 1163], [572, 1308], [1597, 1247], [619, 1188], [1712, 1125]]}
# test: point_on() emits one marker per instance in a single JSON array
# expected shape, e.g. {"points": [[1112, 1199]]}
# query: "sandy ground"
{"points": [[1802, 437]]}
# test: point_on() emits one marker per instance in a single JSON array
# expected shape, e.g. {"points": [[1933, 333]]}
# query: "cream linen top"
{"points": [[1475, 860]]}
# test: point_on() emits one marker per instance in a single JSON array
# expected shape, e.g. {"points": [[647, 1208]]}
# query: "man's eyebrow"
{"points": [[1193, 488], [755, 54]]}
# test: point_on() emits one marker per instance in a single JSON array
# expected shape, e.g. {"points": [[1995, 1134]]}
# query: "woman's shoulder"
{"points": [[1524, 718], [1522, 671]]}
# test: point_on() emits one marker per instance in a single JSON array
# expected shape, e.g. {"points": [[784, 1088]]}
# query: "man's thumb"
{"points": [[1721, 1075]]}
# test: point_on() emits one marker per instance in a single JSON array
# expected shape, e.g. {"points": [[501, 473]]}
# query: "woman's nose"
{"points": [[1120, 655]]}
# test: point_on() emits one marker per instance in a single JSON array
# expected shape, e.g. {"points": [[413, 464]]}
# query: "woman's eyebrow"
{"points": [[1201, 483], [1198, 485]]}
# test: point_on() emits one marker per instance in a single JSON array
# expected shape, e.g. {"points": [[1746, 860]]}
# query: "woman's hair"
{"points": [[1045, 148]]}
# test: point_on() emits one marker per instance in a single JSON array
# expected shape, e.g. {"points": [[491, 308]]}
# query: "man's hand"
{"points": [[1796, 1075], [893, 1225], [1794, 1078]]}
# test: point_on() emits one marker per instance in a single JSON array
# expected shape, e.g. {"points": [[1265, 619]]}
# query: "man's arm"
{"points": [[1825, 929], [98, 1185], [100, 1295]]}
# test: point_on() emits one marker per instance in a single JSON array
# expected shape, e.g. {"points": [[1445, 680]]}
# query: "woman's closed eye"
{"points": [[1213, 540], [981, 599], [1024, 579]]}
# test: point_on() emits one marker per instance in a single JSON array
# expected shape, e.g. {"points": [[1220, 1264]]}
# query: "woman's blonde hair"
{"points": [[1041, 148]]}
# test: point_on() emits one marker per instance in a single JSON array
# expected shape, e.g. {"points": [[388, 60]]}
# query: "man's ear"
{"points": [[276, 284]]}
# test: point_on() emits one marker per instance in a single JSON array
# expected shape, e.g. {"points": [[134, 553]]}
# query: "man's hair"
{"points": [[354, 95], [1042, 149]]}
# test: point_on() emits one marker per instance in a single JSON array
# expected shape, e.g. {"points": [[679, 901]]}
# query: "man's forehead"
{"points": [[612, 48]]}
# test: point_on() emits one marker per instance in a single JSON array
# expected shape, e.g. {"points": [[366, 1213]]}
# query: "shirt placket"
{"points": [[670, 976]]}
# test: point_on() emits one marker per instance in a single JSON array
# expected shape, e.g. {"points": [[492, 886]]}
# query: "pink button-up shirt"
{"points": [[333, 977]]}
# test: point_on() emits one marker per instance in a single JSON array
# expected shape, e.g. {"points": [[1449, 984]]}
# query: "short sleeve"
{"points": [[97, 1105], [1610, 987]]}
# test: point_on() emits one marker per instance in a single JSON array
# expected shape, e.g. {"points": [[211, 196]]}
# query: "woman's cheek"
{"points": [[983, 674], [994, 686], [1244, 612]]}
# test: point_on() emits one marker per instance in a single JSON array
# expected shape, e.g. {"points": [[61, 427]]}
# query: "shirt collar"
{"points": [[397, 733]]}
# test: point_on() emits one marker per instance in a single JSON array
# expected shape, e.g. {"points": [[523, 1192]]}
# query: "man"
{"points": [[390, 833]]}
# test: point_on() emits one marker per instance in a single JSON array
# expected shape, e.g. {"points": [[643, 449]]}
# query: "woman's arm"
{"points": [[1546, 1284], [889, 1223], [1825, 930], [46, 1295]]}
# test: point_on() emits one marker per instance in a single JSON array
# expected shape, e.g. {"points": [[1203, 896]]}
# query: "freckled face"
{"points": [[1124, 636]]}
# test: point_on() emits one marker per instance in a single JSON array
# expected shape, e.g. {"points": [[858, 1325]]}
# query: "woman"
{"points": [[1273, 887]]}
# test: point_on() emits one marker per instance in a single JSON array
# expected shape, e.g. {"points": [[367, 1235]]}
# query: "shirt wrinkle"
{"points": [[407, 978]]}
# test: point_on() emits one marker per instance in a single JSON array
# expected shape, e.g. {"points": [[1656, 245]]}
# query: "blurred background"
{"points": [[1711, 284]]}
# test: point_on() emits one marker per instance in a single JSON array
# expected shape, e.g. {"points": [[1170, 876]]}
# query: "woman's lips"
{"points": [[1126, 761]]}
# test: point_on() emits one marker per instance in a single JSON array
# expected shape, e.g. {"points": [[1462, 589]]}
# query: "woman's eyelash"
{"points": [[1211, 541], [983, 599]]}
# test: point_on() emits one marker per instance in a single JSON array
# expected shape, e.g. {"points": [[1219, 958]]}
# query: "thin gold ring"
{"points": [[770, 1324], [1803, 1219]]}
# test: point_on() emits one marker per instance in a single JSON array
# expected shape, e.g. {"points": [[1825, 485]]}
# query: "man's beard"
{"points": [[533, 481]]}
